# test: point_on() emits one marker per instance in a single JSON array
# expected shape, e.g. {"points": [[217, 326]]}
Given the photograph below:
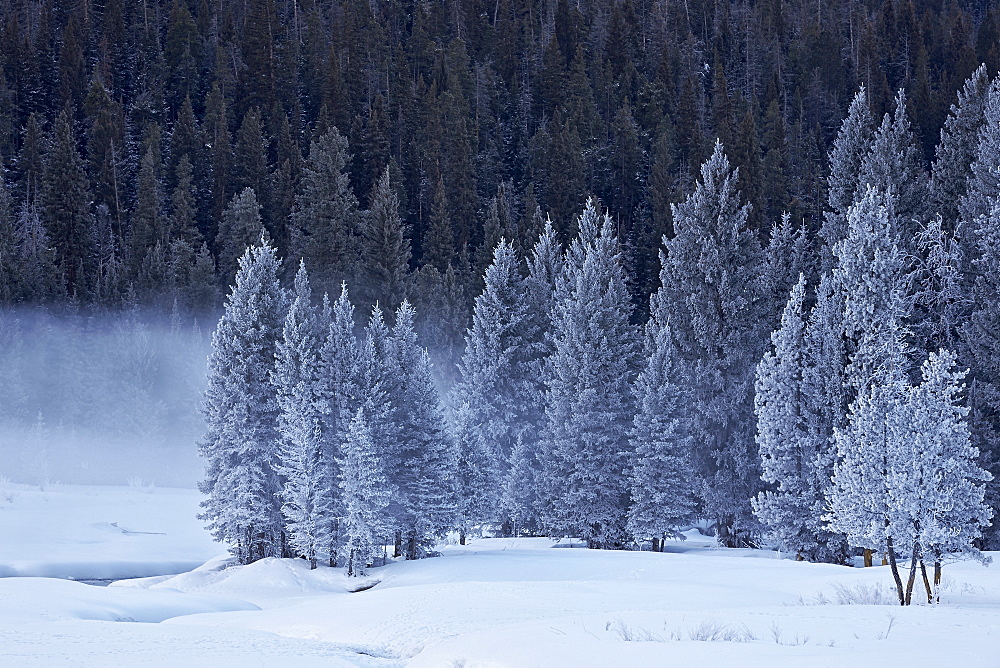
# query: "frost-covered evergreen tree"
{"points": [[299, 385], [956, 150], [980, 335], [239, 228], [984, 180], [366, 495], [662, 485], [795, 455], [716, 305], [847, 157], [935, 485], [341, 396], [894, 165], [589, 405], [860, 505], [241, 445], [519, 499], [424, 466], [497, 384], [871, 275], [939, 299]]}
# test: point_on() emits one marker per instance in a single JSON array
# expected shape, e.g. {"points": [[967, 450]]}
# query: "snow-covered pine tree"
{"points": [[366, 495], [715, 302], [497, 383], [870, 275], [477, 473], [956, 150], [299, 386], [847, 157], [939, 299], [860, 506], [894, 165], [984, 180], [589, 405], [545, 264], [341, 395], [981, 338], [796, 458], [424, 468], [935, 485], [824, 401], [662, 485], [241, 444]]}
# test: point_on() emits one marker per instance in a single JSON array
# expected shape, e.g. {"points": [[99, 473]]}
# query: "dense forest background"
{"points": [[144, 144]]}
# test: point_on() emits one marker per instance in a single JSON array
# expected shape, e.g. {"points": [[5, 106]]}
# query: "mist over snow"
{"points": [[100, 398]]}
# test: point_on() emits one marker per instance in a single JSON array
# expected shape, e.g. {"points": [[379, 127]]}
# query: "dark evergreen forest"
{"points": [[130, 131]]}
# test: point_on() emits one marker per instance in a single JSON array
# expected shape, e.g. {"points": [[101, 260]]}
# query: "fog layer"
{"points": [[100, 399]]}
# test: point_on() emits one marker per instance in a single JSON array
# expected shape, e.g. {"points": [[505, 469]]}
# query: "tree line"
{"points": [[864, 421]]}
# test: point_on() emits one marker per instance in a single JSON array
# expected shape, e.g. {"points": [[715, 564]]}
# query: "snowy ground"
{"points": [[516, 602]]}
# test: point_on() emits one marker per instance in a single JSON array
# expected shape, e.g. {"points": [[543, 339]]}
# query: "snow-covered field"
{"points": [[516, 602]]}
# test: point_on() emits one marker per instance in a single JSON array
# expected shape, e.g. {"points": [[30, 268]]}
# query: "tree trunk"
{"points": [[656, 545], [461, 536], [913, 573], [927, 584], [937, 579], [895, 571], [868, 558], [398, 545]]}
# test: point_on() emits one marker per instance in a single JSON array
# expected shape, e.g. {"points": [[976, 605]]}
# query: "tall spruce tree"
{"points": [[66, 207], [385, 250], [424, 467], [239, 227], [299, 387], [956, 150], [795, 456], [497, 386], [663, 489], [323, 226], [713, 295], [847, 157], [241, 444], [366, 494], [586, 451]]}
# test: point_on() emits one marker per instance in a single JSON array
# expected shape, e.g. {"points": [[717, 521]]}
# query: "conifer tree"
{"points": [[66, 206], [239, 226], [366, 494], [984, 180], [847, 157], [424, 466], [299, 387], [241, 444], [713, 294], [795, 455], [956, 150], [344, 390], [497, 378], [663, 490], [935, 484], [893, 165], [385, 250], [589, 405], [323, 225]]}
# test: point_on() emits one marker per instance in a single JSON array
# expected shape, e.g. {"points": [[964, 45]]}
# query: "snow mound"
{"points": [[47, 600]]}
